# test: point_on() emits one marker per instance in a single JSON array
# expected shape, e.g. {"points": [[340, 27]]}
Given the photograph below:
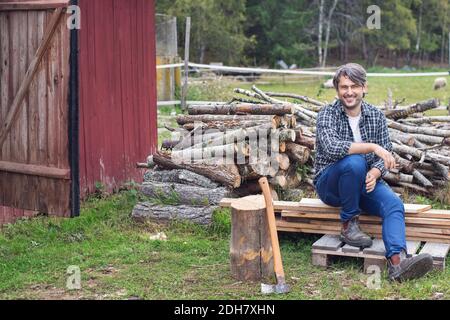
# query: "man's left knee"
{"points": [[393, 205]]}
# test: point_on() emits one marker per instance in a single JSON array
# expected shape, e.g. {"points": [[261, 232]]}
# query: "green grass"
{"points": [[412, 89], [118, 261]]}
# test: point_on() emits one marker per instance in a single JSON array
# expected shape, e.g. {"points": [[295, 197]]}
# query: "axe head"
{"points": [[278, 288]]}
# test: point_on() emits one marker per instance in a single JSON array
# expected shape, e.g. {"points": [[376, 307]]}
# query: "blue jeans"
{"points": [[343, 185]]}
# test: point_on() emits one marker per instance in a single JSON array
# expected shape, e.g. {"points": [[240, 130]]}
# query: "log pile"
{"points": [[178, 195], [313, 216], [421, 144], [235, 144]]}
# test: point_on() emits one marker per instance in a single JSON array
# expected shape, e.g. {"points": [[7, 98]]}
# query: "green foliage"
{"points": [[303, 170], [216, 29], [277, 29], [99, 189], [214, 90], [261, 32], [439, 200], [172, 198], [221, 222]]}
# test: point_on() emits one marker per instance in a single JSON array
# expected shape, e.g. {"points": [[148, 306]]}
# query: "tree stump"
{"points": [[250, 247]]}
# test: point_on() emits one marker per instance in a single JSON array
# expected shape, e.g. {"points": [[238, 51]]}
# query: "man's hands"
{"points": [[388, 158], [371, 179], [374, 173]]}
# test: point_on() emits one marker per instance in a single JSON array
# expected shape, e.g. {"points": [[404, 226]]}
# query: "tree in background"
{"points": [[432, 18], [217, 28], [325, 22], [281, 30], [313, 32], [398, 28]]}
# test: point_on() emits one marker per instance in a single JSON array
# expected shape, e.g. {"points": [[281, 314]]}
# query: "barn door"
{"points": [[35, 171]]}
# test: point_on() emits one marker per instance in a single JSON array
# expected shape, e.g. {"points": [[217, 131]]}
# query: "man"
{"points": [[354, 152]]}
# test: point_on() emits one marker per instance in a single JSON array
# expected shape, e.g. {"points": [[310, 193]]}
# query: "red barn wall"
{"points": [[117, 80]]}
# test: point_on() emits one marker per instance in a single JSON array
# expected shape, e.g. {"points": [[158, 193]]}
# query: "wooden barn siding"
{"points": [[40, 136], [117, 91]]}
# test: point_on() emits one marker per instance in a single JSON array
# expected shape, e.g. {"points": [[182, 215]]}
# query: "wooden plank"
{"points": [[347, 254], [43, 103], [33, 112], [371, 230], [88, 88], [305, 230], [57, 126], [438, 251], [366, 226], [22, 184], [419, 219], [47, 184], [136, 62], [370, 263], [435, 213], [14, 84], [420, 237], [5, 99], [5, 68], [431, 214], [377, 248], [21, 93], [350, 249], [116, 171], [35, 170], [33, 5], [83, 101], [319, 259], [412, 247], [328, 242], [64, 161], [317, 206]]}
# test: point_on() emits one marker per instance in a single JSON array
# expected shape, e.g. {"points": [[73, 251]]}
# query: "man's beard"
{"points": [[357, 102]]}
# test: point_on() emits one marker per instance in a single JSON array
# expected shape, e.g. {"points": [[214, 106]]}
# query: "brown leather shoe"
{"points": [[352, 235], [402, 268]]}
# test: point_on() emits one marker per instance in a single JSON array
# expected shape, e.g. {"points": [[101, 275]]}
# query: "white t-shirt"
{"points": [[354, 124]]}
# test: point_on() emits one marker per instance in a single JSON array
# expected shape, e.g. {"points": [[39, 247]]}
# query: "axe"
{"points": [[281, 286]]}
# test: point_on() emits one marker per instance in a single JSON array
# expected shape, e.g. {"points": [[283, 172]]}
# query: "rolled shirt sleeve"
{"points": [[384, 141]]}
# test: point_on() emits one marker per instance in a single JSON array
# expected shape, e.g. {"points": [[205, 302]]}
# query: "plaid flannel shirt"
{"points": [[334, 136]]}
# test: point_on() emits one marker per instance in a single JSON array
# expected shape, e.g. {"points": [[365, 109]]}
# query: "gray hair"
{"points": [[353, 71]]}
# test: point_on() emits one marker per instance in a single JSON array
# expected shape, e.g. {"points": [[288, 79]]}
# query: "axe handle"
{"points": [[277, 263]]}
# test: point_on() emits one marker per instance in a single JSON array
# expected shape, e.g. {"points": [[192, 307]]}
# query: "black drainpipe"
{"points": [[74, 153]]}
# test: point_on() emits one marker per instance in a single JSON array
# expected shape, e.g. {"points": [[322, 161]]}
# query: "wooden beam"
{"points": [[317, 206], [33, 5], [35, 170], [411, 233], [21, 93], [422, 218]]}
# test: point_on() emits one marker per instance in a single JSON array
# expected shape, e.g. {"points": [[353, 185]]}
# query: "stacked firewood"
{"points": [[421, 144], [237, 143]]}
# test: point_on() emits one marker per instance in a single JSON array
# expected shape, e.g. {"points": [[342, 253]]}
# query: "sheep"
{"points": [[440, 83]]}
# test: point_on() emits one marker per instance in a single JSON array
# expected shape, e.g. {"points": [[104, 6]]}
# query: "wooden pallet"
{"points": [[330, 245]]}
